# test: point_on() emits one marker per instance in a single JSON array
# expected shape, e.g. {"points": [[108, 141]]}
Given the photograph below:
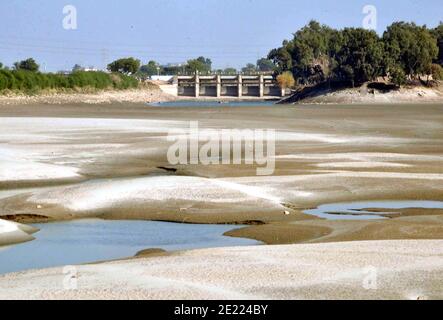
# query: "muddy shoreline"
{"points": [[298, 228]]}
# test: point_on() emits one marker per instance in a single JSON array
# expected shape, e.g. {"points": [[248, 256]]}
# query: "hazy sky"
{"points": [[230, 32]]}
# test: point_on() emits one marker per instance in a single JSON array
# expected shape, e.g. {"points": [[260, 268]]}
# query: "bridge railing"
{"points": [[215, 73]]}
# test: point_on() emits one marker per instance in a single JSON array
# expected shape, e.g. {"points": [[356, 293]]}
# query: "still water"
{"points": [[83, 241], [211, 103]]}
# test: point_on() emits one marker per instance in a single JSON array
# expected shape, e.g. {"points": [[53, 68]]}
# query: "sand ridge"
{"points": [[13, 233], [360, 270]]}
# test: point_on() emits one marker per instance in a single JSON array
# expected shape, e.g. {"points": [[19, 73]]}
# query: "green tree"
{"points": [[397, 75], [410, 46], [32, 82], [150, 69], [249, 68], [28, 65], [318, 53], [438, 34], [281, 57], [173, 69], [265, 65], [230, 70], [361, 56], [201, 64], [125, 65], [77, 68], [436, 71], [308, 54], [311, 61]]}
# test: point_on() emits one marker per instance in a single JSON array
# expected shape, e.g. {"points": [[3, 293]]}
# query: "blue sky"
{"points": [[230, 32]]}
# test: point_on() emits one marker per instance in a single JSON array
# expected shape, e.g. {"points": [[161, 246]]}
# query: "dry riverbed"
{"points": [[109, 160]]}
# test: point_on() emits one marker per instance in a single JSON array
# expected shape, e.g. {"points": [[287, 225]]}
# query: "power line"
{"points": [[157, 45], [99, 51]]}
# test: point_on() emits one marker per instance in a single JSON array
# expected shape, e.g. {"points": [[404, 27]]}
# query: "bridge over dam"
{"points": [[260, 86]]}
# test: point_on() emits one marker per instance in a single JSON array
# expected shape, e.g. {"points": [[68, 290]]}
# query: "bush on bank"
{"points": [[33, 82]]}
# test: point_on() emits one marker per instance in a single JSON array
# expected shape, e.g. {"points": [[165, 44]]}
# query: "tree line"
{"points": [[26, 77], [318, 53], [201, 64]]}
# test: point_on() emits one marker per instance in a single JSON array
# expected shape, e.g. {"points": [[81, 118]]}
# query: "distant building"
{"points": [[174, 65], [90, 69], [64, 72], [78, 67]]}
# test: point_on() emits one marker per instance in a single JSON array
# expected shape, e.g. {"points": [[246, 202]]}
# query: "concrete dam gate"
{"points": [[260, 86]]}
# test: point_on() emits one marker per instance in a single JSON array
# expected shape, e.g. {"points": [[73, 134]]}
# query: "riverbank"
{"points": [[380, 93], [409, 270], [144, 94]]}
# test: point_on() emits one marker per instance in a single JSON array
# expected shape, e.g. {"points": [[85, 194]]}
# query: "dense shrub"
{"points": [[26, 81], [436, 71], [286, 80]]}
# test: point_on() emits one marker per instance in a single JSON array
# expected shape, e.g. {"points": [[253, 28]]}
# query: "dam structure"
{"points": [[231, 86]]}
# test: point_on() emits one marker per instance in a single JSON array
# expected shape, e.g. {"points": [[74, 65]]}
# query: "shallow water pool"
{"points": [[354, 210], [83, 241]]}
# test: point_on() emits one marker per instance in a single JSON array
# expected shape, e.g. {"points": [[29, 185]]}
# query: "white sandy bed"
{"points": [[362, 156], [34, 148], [56, 148], [264, 190], [362, 164], [294, 136], [49, 126], [397, 269], [19, 170], [287, 136], [113, 192], [293, 186]]}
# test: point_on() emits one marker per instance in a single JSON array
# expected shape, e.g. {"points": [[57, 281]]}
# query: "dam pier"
{"points": [[219, 86]]}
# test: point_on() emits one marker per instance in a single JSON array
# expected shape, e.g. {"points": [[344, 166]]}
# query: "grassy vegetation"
{"points": [[28, 82]]}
